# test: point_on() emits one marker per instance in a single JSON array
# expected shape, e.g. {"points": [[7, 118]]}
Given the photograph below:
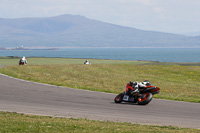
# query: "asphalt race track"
{"points": [[33, 98]]}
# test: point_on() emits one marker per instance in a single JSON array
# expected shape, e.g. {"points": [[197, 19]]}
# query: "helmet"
{"points": [[23, 58], [146, 82], [133, 83]]}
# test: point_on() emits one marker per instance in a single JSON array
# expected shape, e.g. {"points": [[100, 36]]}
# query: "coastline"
{"points": [[123, 53], [20, 48], [58, 48]]}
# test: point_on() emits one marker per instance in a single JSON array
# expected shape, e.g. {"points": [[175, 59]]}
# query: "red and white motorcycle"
{"points": [[23, 61], [142, 93]]}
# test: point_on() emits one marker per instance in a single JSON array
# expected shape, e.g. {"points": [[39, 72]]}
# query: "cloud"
{"points": [[145, 2]]}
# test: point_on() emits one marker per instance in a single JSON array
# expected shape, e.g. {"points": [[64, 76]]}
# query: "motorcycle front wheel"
{"points": [[119, 98], [145, 99]]}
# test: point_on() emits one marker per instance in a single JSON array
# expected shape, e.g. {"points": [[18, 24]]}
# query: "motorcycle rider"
{"points": [[87, 62], [23, 59], [133, 87]]}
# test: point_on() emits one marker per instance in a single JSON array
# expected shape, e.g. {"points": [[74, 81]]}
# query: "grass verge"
{"points": [[7, 61], [14, 122]]}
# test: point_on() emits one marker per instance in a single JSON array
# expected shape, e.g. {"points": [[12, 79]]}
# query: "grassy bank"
{"points": [[61, 61], [13, 122], [177, 82]]}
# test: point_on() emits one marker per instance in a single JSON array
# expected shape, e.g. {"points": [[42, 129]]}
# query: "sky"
{"points": [[172, 16]]}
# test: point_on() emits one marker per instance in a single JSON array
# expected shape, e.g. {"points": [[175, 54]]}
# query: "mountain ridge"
{"points": [[78, 31]]}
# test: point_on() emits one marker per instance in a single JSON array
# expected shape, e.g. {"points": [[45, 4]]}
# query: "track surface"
{"points": [[33, 98]]}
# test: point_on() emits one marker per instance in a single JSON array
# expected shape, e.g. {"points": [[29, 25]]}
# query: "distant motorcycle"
{"points": [[142, 97], [23, 61], [86, 62]]}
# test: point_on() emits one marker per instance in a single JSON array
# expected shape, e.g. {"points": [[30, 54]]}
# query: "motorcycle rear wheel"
{"points": [[119, 98], [145, 99]]}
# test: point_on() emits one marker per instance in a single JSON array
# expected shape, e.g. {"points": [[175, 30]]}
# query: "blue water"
{"points": [[149, 54]]}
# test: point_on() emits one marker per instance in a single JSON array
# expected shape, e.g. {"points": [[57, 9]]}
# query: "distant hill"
{"points": [[79, 31], [192, 34]]}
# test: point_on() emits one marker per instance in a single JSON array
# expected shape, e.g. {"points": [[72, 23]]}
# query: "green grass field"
{"points": [[63, 61], [13, 122], [177, 82]]}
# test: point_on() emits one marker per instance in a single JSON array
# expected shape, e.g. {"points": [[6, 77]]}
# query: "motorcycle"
{"points": [[87, 62], [22, 62], [142, 96]]}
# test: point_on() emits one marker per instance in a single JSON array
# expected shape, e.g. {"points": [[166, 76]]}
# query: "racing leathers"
{"points": [[133, 87]]}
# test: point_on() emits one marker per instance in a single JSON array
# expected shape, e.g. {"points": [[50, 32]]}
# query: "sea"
{"points": [[135, 54]]}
